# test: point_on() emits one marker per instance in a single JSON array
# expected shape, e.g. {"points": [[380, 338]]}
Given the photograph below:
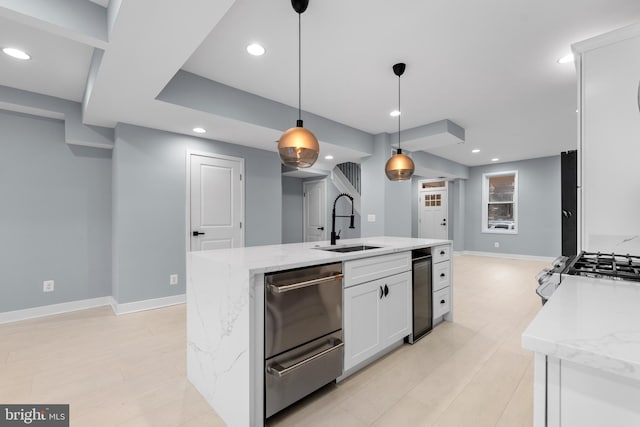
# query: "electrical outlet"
{"points": [[371, 218], [173, 279], [496, 244], [48, 286]]}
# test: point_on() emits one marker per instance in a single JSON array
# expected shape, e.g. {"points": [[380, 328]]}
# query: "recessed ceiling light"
{"points": [[255, 49], [566, 59], [495, 159], [16, 53], [394, 113], [199, 130], [475, 150], [328, 157]]}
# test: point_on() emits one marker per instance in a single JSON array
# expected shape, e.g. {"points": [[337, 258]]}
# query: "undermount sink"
{"points": [[353, 248]]}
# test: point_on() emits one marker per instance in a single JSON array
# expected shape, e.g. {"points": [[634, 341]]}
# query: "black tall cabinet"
{"points": [[569, 190]]}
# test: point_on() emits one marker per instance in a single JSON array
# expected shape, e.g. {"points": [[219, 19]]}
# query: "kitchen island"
{"points": [[586, 341], [225, 315]]}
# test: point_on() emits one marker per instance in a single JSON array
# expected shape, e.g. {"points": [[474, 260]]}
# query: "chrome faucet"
{"points": [[334, 237]]}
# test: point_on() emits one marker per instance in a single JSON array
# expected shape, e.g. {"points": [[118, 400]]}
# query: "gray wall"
{"points": [[292, 210], [55, 215], [373, 185], [149, 197], [457, 207], [538, 209], [398, 208]]}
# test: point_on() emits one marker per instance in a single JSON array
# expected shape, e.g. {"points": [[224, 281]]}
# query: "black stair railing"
{"points": [[352, 172]]}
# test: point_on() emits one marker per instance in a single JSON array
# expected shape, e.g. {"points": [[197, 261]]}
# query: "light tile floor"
{"points": [[130, 370]]}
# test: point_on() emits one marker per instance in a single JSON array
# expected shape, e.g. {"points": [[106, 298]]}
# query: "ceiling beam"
{"points": [[197, 93], [76, 133], [78, 20], [148, 43]]}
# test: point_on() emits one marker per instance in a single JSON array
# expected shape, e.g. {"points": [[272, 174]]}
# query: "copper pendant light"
{"points": [[399, 167], [298, 147]]}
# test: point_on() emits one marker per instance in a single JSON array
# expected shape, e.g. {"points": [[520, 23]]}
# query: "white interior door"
{"points": [[216, 202], [434, 212], [315, 210]]}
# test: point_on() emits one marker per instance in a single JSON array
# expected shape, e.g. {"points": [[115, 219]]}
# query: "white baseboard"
{"points": [[148, 304], [510, 256], [67, 307], [48, 310]]}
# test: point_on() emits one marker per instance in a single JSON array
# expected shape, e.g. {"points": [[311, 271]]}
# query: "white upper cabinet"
{"points": [[608, 68]]}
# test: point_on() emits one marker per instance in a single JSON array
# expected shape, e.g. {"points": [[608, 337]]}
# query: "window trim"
{"points": [[485, 202]]}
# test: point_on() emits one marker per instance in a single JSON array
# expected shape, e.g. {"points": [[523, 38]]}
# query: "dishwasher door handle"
{"points": [[278, 289], [280, 371]]}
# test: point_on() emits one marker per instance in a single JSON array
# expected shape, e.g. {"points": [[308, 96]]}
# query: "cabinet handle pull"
{"points": [[386, 290], [381, 292], [286, 288], [280, 371], [442, 301], [442, 252], [442, 275]]}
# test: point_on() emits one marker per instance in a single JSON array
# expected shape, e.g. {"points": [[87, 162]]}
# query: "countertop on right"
{"points": [[593, 322]]}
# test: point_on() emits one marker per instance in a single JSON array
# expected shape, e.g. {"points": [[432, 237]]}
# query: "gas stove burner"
{"points": [[610, 266]]}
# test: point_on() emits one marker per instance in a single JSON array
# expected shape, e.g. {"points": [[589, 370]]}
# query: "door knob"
{"points": [[197, 233], [321, 228]]}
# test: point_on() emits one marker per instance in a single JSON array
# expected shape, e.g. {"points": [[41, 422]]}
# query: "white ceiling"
{"points": [[58, 66], [488, 66]]}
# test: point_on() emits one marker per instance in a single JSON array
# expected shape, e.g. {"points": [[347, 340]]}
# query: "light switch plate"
{"points": [[371, 218]]}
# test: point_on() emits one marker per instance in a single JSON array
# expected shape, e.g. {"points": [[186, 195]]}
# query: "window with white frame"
{"points": [[500, 202]]}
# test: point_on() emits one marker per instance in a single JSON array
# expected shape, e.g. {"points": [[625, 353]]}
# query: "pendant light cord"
{"points": [[399, 111], [299, 67]]}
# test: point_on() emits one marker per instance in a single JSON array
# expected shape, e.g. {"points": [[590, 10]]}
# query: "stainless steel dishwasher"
{"points": [[303, 333], [422, 294]]}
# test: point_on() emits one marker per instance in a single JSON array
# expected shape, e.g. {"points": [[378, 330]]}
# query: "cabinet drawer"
{"points": [[441, 275], [441, 253], [441, 302], [366, 269]]}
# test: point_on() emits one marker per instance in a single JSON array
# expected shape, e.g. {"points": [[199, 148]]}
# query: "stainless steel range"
{"points": [[609, 266]]}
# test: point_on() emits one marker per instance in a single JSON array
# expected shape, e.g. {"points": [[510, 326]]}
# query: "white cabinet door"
{"points": [[315, 210], [376, 315], [396, 308], [609, 149], [361, 322], [217, 202]]}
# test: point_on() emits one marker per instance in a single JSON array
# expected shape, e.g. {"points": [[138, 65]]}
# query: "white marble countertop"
{"points": [[264, 259], [592, 322]]}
